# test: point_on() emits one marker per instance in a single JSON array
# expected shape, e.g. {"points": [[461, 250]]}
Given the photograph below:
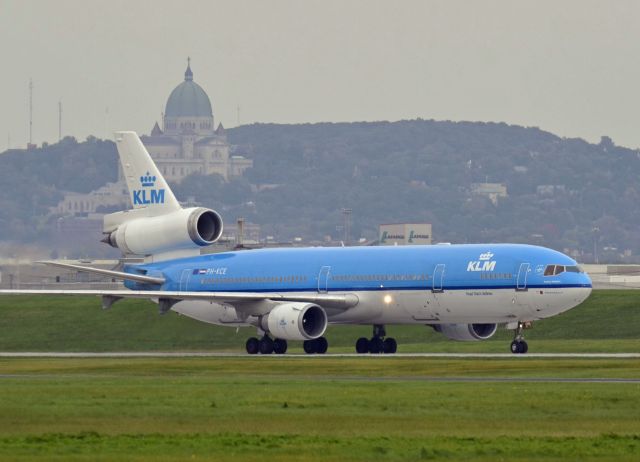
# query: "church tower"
{"points": [[188, 109], [189, 142]]}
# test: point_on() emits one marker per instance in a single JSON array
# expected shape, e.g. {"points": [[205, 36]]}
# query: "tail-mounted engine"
{"points": [[466, 332], [182, 229]]}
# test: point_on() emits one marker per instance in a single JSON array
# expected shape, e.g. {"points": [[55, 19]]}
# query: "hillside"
{"points": [[563, 193], [559, 190]]}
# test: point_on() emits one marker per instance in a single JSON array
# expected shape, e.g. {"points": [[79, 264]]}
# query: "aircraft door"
{"points": [[323, 279], [435, 302], [184, 279], [523, 296], [523, 274], [438, 278]]}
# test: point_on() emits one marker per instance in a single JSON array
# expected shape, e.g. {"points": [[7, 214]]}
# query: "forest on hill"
{"points": [[563, 193]]}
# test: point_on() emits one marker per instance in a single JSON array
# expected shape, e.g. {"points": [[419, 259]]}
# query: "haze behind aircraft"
{"points": [[462, 291]]}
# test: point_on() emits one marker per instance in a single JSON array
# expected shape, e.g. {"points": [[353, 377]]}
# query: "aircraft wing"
{"points": [[339, 301]]}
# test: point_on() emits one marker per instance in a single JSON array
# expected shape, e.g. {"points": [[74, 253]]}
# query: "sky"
{"points": [[568, 67]]}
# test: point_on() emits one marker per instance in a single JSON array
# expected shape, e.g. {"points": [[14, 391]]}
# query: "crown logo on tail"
{"points": [[147, 180], [486, 256]]}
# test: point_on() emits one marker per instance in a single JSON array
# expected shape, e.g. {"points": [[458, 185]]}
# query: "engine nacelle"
{"points": [[467, 332], [295, 321], [182, 229]]}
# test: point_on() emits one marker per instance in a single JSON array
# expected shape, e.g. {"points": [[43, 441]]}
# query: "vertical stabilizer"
{"points": [[147, 187]]}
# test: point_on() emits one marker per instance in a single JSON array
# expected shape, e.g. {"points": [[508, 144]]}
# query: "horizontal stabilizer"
{"points": [[106, 272]]}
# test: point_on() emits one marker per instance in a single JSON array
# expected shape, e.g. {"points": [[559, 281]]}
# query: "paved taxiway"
{"points": [[207, 354], [190, 354]]}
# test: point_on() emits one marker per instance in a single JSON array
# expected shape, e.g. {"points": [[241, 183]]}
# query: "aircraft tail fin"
{"points": [[147, 187]]}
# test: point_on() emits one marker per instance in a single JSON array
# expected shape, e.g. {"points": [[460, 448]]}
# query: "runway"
{"points": [[211, 354], [426, 378]]}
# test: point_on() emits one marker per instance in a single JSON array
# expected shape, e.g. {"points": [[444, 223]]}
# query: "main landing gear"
{"points": [[266, 346], [378, 343], [519, 346], [318, 345]]}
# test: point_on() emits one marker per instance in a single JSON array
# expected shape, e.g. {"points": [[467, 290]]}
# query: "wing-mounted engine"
{"points": [[295, 321], [179, 230], [466, 332]]}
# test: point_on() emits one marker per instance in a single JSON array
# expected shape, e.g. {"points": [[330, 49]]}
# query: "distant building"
{"points": [[550, 189], [111, 195], [405, 234], [187, 144], [493, 191]]}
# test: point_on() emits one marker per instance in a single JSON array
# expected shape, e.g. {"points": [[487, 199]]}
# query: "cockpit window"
{"points": [[552, 270]]}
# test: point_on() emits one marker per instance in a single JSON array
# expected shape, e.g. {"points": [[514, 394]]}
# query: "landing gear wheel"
{"points": [[321, 345], [279, 346], [362, 345], [266, 345], [519, 347], [390, 345], [376, 345], [309, 346], [253, 345]]}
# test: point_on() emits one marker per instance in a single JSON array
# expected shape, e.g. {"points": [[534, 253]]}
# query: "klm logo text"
{"points": [[481, 266], [148, 196]]}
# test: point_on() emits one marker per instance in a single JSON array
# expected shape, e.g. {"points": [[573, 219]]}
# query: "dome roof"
{"points": [[188, 99]]}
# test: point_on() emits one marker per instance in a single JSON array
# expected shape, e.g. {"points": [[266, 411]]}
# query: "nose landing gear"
{"points": [[519, 346], [378, 343]]}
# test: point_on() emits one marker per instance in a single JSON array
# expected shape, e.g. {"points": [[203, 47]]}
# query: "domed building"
{"points": [[188, 142]]}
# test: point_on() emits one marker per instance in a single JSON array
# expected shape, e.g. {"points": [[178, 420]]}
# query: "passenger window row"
{"points": [[256, 280], [379, 277], [496, 276]]}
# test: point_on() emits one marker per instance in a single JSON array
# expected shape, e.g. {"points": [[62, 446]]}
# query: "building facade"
{"points": [[405, 234], [188, 143]]}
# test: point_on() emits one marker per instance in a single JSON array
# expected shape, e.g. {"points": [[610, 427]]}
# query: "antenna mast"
{"points": [[30, 111], [59, 121]]}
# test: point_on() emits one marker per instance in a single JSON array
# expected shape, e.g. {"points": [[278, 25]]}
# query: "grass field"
{"points": [[609, 321], [316, 408], [311, 408]]}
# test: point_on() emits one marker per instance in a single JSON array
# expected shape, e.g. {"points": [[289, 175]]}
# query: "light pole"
{"points": [[346, 214], [595, 232]]}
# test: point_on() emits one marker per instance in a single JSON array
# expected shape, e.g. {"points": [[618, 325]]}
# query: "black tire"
{"points": [[376, 345], [523, 347], [362, 345], [279, 346], [321, 345], [515, 347], [266, 345], [253, 345], [309, 346], [390, 345]]}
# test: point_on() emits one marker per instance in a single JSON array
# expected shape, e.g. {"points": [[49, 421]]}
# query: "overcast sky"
{"points": [[569, 67]]}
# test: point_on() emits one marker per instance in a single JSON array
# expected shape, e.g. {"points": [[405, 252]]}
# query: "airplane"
{"points": [[462, 291]]}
